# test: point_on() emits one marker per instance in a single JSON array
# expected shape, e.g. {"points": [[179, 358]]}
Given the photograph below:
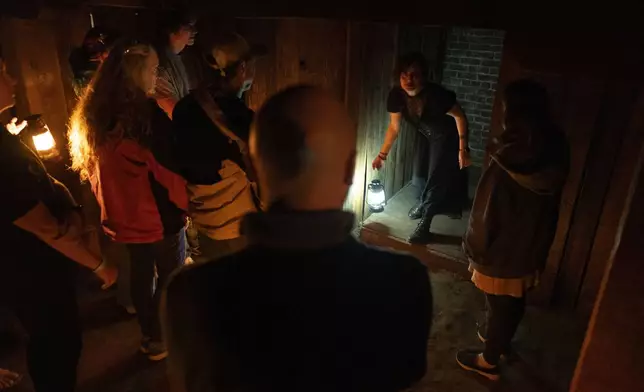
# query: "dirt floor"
{"points": [[547, 346]]}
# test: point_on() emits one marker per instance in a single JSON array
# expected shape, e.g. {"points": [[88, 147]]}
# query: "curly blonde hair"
{"points": [[114, 106]]}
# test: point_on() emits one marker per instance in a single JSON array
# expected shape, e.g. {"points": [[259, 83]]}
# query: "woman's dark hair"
{"points": [[526, 101], [173, 21], [407, 60]]}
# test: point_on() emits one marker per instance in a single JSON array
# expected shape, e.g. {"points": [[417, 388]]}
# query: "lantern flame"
{"points": [[45, 141]]}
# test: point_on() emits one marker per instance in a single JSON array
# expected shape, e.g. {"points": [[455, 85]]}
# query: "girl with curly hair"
{"points": [[118, 140]]}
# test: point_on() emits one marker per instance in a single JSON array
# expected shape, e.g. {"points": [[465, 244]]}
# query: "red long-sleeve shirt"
{"points": [[140, 200]]}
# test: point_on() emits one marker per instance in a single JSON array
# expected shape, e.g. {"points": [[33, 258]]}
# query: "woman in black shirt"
{"points": [[43, 235], [435, 113]]}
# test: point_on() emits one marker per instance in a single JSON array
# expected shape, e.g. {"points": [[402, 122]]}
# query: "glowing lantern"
{"points": [[41, 137], [376, 196]]}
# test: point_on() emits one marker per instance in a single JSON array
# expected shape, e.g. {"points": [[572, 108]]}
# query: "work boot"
{"points": [[416, 211], [421, 235]]}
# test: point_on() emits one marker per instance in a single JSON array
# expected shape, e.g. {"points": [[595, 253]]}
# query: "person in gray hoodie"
{"points": [[514, 218]]}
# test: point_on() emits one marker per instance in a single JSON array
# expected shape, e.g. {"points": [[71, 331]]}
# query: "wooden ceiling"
{"points": [[503, 14]]}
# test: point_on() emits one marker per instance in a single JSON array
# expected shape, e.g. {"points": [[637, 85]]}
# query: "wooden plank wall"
{"points": [[354, 61], [372, 56], [591, 104]]}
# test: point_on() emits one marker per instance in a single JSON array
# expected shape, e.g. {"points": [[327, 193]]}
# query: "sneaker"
{"points": [[467, 359], [156, 351]]}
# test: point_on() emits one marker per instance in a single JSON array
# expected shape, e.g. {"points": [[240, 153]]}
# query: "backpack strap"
{"points": [[218, 118]]}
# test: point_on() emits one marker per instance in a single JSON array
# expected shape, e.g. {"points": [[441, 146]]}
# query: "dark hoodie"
{"points": [[304, 308], [516, 206]]}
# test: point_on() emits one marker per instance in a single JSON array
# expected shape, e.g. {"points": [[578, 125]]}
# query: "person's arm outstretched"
{"points": [[456, 112], [390, 137]]}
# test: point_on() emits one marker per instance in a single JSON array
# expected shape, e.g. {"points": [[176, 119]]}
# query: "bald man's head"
{"points": [[303, 147]]}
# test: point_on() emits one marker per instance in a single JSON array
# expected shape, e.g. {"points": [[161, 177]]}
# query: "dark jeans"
{"points": [[504, 314], [211, 249], [166, 255], [48, 311], [445, 191]]}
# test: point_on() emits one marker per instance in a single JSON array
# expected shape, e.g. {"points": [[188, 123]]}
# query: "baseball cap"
{"points": [[98, 40], [228, 49]]}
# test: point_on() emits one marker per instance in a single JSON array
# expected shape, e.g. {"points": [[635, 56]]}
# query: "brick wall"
{"points": [[471, 70]]}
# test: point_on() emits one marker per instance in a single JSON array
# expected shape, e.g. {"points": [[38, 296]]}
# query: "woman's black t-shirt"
{"points": [[426, 111]]}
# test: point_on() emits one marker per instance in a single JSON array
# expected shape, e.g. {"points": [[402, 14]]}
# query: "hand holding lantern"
{"points": [[15, 128], [41, 138]]}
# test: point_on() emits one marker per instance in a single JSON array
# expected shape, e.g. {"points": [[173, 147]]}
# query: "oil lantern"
{"points": [[376, 196], [40, 137]]}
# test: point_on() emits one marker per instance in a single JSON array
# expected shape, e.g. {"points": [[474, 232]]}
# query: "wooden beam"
{"points": [[612, 357], [611, 220]]}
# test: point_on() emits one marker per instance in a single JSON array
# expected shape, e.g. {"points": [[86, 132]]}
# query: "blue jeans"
{"points": [[166, 256]]}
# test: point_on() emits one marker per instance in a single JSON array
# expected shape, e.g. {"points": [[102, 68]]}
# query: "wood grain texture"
{"points": [[614, 212], [373, 49], [586, 92], [299, 52], [70, 27], [261, 32], [613, 353], [40, 74], [585, 98], [612, 123], [312, 52]]}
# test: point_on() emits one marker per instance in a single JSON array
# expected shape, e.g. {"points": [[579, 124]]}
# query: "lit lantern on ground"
{"points": [[41, 137], [376, 196]]}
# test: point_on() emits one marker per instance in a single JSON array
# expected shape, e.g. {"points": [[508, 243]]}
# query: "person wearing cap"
{"points": [[211, 127], [305, 307], [177, 31], [85, 60]]}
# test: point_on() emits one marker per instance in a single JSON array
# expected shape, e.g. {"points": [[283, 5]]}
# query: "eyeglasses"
{"points": [[131, 44]]}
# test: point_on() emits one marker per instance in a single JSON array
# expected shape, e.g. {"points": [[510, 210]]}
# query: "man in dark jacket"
{"points": [[514, 218], [305, 306]]}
